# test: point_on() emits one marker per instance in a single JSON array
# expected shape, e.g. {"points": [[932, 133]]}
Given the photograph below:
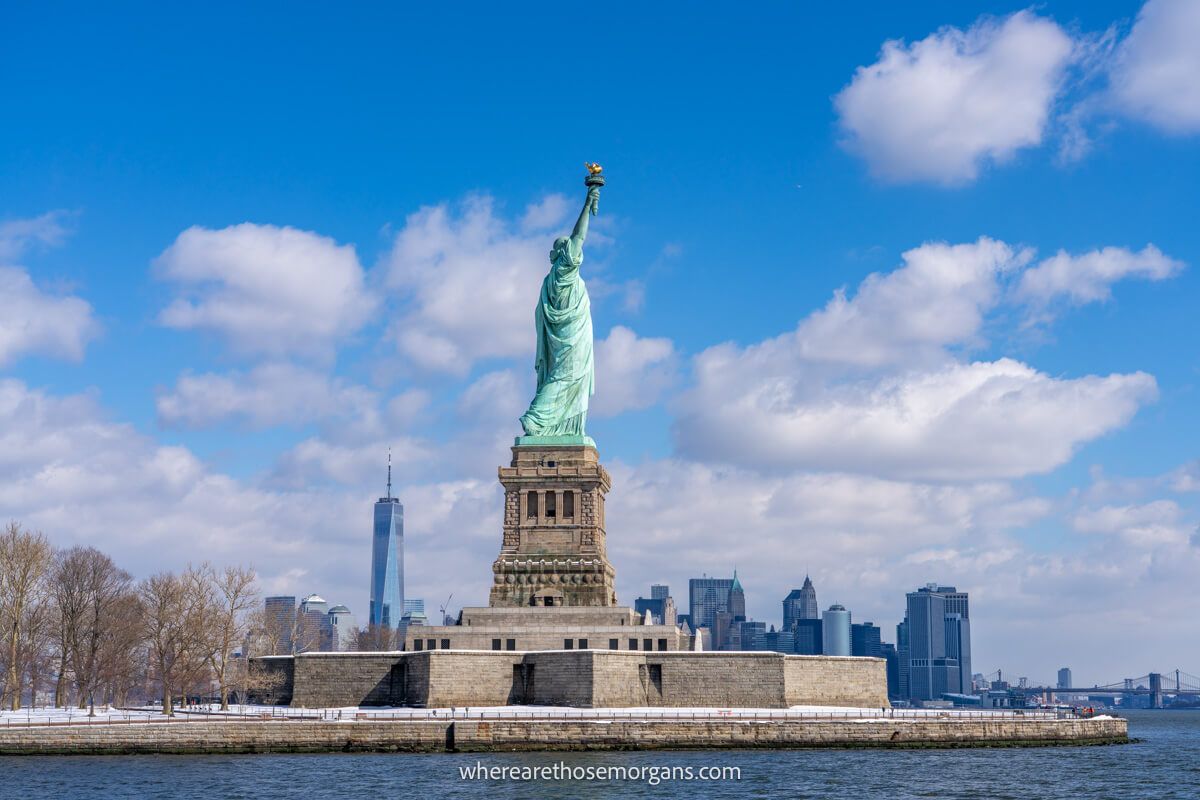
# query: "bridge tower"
{"points": [[1156, 692]]}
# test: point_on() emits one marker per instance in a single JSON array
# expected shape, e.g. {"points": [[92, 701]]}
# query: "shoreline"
{"points": [[546, 734]]}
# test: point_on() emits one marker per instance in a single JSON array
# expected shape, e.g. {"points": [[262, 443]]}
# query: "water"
{"points": [[1165, 764]]}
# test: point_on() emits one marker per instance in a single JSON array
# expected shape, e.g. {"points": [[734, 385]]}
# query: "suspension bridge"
{"points": [[1158, 685]]}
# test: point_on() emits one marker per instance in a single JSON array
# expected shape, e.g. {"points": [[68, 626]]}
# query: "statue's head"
{"points": [[560, 244]]}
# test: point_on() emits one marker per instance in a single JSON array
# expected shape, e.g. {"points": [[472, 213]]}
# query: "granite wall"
{"points": [[835, 681], [515, 734], [579, 678]]}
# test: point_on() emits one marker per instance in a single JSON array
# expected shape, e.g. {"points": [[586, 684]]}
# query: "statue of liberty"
{"points": [[563, 320]]}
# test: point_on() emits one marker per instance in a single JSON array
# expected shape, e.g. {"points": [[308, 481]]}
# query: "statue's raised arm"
{"points": [[589, 209]]}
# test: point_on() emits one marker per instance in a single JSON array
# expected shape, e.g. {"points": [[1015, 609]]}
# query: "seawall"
{"points": [[506, 735]]}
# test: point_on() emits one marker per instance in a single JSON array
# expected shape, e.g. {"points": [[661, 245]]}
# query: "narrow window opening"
{"points": [[551, 505], [568, 505], [531, 505]]}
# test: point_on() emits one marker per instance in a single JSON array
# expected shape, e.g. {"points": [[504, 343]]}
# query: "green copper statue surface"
{"points": [[565, 367]]}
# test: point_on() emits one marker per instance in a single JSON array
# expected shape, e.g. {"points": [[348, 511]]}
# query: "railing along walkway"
{"points": [[133, 716]]}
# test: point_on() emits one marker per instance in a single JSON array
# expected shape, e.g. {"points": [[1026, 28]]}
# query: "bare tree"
{"points": [[263, 638], [98, 589], [255, 680], [173, 610], [70, 603], [235, 597], [122, 665], [306, 633], [25, 558], [380, 637], [37, 643]]}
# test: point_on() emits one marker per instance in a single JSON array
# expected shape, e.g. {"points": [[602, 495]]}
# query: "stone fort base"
{"points": [[554, 628], [577, 678]]}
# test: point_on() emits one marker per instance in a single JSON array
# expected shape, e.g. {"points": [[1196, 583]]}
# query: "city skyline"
{"points": [[822, 346]]}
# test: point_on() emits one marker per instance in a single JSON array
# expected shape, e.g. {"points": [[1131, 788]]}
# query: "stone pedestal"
{"points": [[553, 551]]}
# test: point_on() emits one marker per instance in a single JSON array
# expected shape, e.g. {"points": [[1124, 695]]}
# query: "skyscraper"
{"points": [[865, 640], [387, 559], [312, 633], [660, 604], [800, 604], [888, 652], [280, 613], [746, 635], [808, 638], [343, 633], [958, 647], [737, 599], [1064, 678], [707, 596], [938, 629], [836, 631], [414, 611]]}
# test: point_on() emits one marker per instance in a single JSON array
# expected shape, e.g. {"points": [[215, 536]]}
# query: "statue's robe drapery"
{"points": [[565, 366]]}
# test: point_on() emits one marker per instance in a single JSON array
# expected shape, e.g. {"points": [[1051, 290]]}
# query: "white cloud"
{"points": [[346, 462], [270, 394], [875, 383], [549, 212], [17, 235], [1155, 73], [83, 479], [407, 407], [1186, 478], [693, 510], [495, 396], [265, 289], [960, 422], [1159, 522], [632, 372], [938, 298], [470, 279], [940, 109], [33, 321], [36, 322], [1088, 278]]}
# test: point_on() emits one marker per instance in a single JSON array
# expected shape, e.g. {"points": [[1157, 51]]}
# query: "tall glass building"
{"points": [[835, 631], [707, 597], [387, 560], [280, 615], [938, 630]]}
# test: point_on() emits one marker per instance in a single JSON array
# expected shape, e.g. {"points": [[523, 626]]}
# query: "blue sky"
{"points": [[758, 163]]}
